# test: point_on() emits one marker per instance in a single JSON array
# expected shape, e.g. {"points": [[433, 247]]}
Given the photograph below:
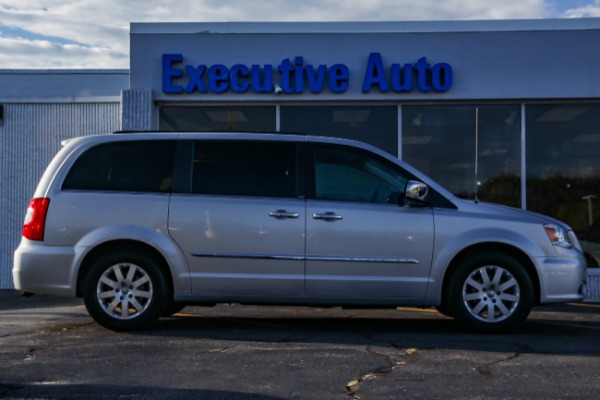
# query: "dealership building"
{"points": [[501, 111]]}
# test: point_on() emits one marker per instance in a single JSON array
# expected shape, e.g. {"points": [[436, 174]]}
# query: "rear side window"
{"points": [[129, 166], [243, 168]]}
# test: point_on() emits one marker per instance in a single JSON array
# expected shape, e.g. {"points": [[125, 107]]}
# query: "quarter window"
{"points": [[128, 166]]}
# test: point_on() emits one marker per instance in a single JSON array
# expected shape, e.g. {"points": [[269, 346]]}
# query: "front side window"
{"points": [[127, 166], [345, 174], [266, 169]]}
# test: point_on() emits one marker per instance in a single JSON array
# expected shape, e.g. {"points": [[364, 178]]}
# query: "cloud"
{"points": [[95, 33], [586, 11], [18, 53]]}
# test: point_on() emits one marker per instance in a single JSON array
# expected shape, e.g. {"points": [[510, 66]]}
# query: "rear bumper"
{"points": [[44, 269]]}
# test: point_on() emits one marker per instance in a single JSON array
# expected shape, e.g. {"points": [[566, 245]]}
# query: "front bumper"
{"points": [[562, 278]]}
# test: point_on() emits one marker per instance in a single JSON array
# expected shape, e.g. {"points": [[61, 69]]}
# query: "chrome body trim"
{"points": [[364, 259], [257, 256]]}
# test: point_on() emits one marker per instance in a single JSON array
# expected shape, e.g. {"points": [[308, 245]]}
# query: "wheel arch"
{"points": [[503, 248], [122, 245]]}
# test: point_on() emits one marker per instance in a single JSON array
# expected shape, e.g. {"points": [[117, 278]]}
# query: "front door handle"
{"points": [[283, 214], [327, 216]]}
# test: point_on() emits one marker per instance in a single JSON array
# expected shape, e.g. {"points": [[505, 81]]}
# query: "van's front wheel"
{"points": [[125, 291], [491, 292]]}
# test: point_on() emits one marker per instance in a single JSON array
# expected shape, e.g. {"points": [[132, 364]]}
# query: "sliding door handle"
{"points": [[328, 216], [283, 214]]}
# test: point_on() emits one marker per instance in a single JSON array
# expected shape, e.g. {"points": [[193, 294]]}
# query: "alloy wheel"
{"points": [[124, 291], [491, 294]]}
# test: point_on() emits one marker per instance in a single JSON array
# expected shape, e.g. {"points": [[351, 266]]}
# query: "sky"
{"points": [[94, 34]]}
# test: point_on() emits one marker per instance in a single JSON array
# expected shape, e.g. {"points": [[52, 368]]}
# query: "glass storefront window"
{"points": [[376, 125], [563, 167], [218, 118], [473, 151]]}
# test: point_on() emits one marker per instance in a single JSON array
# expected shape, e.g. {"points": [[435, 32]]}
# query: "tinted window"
{"points": [[130, 166], [345, 174], [245, 169]]}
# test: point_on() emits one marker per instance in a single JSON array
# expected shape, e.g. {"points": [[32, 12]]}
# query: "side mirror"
{"points": [[416, 190]]}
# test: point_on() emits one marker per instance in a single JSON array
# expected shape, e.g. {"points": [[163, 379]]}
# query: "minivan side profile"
{"points": [[142, 224]]}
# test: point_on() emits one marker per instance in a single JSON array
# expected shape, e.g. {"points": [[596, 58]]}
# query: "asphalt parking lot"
{"points": [[51, 349]]}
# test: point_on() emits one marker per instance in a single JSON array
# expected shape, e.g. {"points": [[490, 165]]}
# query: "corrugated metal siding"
{"points": [[592, 289], [136, 107], [30, 135]]}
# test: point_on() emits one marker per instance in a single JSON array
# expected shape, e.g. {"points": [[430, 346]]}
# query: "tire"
{"points": [[444, 310], [126, 291], [173, 308], [490, 292]]}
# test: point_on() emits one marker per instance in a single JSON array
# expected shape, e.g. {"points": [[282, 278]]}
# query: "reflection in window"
{"points": [[376, 125], [474, 151], [563, 163], [218, 118]]}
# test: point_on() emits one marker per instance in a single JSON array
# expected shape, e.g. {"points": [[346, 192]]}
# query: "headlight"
{"points": [[558, 236]]}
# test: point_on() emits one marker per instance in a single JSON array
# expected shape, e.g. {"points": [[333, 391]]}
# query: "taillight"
{"points": [[35, 219]]}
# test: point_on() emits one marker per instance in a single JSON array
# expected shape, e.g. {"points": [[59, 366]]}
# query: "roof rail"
{"points": [[127, 132]]}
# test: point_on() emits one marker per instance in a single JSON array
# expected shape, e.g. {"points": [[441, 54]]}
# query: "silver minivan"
{"points": [[140, 225]]}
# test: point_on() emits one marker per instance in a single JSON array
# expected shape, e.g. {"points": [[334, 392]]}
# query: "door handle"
{"points": [[328, 216], [283, 214]]}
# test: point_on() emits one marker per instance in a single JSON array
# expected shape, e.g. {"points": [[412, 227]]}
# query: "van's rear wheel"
{"points": [[491, 292], [125, 291]]}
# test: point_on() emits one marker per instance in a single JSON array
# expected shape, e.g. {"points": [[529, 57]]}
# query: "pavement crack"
{"points": [[30, 355], [219, 350], [484, 370], [389, 365]]}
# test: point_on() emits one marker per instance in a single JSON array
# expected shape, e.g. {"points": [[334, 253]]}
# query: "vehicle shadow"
{"points": [[543, 332], [91, 391], [11, 300]]}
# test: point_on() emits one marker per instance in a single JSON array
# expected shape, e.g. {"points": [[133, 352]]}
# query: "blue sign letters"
{"points": [[438, 78], [294, 77]]}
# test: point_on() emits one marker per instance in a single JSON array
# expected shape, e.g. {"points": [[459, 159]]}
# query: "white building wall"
{"points": [[30, 135], [40, 109]]}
